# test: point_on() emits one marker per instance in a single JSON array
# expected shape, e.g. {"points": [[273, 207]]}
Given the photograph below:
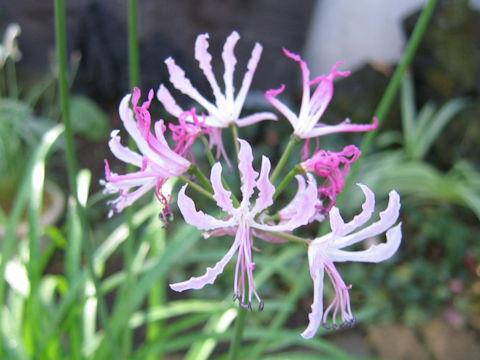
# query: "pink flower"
{"points": [[157, 162], [328, 164], [325, 250], [227, 107], [305, 124], [242, 221], [185, 133]]}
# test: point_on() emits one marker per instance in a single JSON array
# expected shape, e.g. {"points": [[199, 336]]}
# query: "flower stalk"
{"points": [[294, 140]]}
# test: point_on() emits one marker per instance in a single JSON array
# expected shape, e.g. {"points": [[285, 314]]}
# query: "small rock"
{"points": [[447, 343], [396, 342]]}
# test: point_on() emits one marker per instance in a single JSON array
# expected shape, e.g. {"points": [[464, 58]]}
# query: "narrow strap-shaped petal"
{"points": [[315, 316], [123, 153], [345, 126], [271, 96], [205, 62], [164, 96], [126, 115], [339, 228], [265, 187], [375, 253], [247, 173], [221, 195], [323, 93], [183, 84], [254, 118], [305, 106], [388, 217], [291, 208], [229, 60], [198, 218], [247, 78], [301, 215], [211, 273]]}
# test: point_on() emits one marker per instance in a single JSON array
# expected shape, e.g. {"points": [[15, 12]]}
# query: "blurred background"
{"points": [[422, 304]]}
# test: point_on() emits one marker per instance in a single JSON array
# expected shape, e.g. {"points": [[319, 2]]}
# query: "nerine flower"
{"points": [[9, 46], [156, 161], [227, 107], [324, 251], [242, 221], [334, 167], [305, 124]]}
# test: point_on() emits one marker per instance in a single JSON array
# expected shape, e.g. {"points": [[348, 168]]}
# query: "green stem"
{"points": [[72, 166], [286, 180], [11, 78], [392, 89], [72, 162], [210, 156], [237, 336], [133, 47], [129, 246], [294, 140], [235, 138], [194, 170], [290, 237], [281, 316], [197, 187], [211, 160]]}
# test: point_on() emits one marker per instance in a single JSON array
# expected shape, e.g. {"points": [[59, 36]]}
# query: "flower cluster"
{"points": [[167, 152]]}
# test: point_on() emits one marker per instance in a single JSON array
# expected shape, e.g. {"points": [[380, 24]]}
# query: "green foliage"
{"points": [[88, 119]]}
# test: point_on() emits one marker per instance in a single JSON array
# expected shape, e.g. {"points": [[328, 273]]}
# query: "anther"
{"points": [[261, 305]]}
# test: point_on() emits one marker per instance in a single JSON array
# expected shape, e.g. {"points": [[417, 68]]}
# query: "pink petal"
{"points": [[265, 187], [247, 78], [247, 173], [229, 60], [164, 96], [305, 106], [375, 253], [339, 228], [123, 153], [345, 126], [388, 217], [204, 60], [221, 195], [211, 273], [198, 218], [254, 118], [304, 212], [183, 84], [271, 96], [315, 316]]}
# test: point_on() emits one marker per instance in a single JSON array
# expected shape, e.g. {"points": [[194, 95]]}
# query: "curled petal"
{"points": [[271, 96], [339, 228], [303, 213], [197, 218], [205, 62], [388, 217], [210, 275], [315, 316], [248, 174], [164, 96], [265, 187], [221, 195], [229, 61], [375, 253], [123, 153]]}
